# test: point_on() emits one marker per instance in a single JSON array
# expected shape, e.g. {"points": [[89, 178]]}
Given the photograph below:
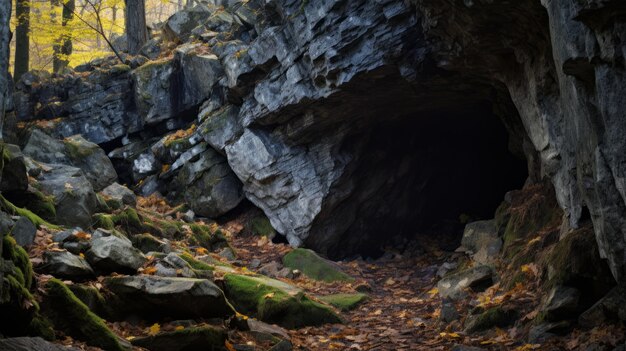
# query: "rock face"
{"points": [[318, 106]]}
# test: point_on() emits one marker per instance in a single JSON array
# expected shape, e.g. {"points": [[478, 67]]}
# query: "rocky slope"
{"points": [[352, 126], [278, 89]]}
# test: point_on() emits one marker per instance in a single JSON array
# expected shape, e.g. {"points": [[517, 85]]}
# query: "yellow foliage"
{"points": [[154, 329]]}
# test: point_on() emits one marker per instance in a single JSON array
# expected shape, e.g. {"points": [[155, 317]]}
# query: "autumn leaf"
{"points": [[179, 327], [432, 292], [201, 251], [229, 346], [154, 329], [149, 270], [82, 235], [68, 186], [449, 335]]}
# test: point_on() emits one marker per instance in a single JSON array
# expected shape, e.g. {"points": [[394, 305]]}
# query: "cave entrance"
{"points": [[428, 174]]}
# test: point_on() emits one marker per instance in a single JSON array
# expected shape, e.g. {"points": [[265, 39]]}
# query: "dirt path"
{"points": [[401, 314]]}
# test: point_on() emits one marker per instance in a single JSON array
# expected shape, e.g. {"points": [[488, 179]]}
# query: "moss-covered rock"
{"points": [[102, 220], [72, 316], [273, 301], [7, 206], [493, 317], [203, 236], [261, 226], [197, 338], [196, 264], [147, 243], [345, 302], [91, 297], [314, 266], [15, 253]]}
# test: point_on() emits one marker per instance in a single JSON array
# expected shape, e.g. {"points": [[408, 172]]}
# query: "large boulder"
{"points": [[180, 25], [153, 296], [274, 301], [153, 90], [74, 197], [74, 151]]}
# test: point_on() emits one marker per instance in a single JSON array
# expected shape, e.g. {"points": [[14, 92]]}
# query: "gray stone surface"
{"points": [[73, 151], [120, 193], [65, 265], [454, 285], [114, 254], [74, 197], [168, 296], [482, 241], [24, 231]]}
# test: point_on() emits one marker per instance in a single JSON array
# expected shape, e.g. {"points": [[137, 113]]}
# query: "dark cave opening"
{"points": [[428, 174]]}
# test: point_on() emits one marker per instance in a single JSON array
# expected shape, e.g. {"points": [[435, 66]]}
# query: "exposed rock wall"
{"points": [[291, 92]]}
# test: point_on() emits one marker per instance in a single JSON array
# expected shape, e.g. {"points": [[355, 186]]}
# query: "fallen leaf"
{"points": [[179, 327], [154, 329]]}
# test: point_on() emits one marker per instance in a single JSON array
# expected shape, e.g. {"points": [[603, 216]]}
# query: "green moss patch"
{"points": [[315, 267], [8, 207], [201, 235], [196, 338], [15, 253], [345, 302], [261, 226], [273, 301], [71, 315], [196, 264]]}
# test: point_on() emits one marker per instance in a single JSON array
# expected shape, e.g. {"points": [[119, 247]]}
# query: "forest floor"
{"points": [[403, 311]]}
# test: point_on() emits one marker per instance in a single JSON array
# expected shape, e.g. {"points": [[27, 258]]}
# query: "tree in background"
{"points": [[136, 27], [22, 38], [63, 47], [5, 39]]}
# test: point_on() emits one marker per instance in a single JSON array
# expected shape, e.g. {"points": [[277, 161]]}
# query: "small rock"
{"points": [[482, 241], [65, 265], [262, 327], [255, 263], [76, 247], [24, 231], [189, 216], [228, 254], [445, 268], [113, 254], [121, 193], [477, 278], [448, 311]]}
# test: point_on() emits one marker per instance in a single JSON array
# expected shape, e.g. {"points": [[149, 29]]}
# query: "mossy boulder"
{"points": [[196, 338], [203, 235], [73, 317], [345, 302], [273, 301], [147, 243], [91, 297], [314, 266]]}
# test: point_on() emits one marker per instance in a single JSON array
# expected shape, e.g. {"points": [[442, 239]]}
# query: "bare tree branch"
{"points": [[99, 29]]}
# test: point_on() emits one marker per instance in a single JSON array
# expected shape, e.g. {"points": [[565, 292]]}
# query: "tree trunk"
{"points": [[136, 30], [63, 49], [22, 40], [5, 41]]}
